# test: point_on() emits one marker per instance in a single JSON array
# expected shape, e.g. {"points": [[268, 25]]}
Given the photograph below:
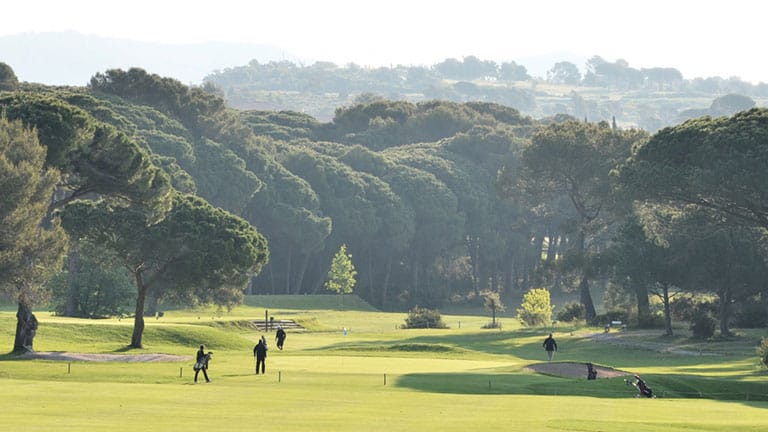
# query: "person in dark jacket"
{"points": [[201, 363], [280, 337], [260, 352], [550, 346]]}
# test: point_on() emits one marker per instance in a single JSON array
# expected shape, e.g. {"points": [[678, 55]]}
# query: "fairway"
{"points": [[376, 377]]}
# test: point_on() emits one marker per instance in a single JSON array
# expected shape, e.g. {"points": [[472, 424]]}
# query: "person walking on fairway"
{"points": [[551, 346], [201, 363], [280, 337], [260, 352]]}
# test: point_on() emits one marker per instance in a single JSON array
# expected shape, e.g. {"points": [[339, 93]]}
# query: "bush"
{"points": [[703, 324], [420, 317], [572, 311], [612, 315], [536, 309], [750, 314], [762, 351], [99, 289], [684, 308], [654, 320]]}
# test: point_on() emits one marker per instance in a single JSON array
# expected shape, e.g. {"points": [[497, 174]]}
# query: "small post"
{"points": [[180, 373], [279, 376], [69, 368], [489, 385], [266, 319], [385, 379], [459, 324]]}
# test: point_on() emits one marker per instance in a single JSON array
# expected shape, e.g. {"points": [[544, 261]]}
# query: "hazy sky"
{"points": [[699, 38]]}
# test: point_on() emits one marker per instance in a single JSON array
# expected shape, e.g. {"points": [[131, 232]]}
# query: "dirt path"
{"points": [[67, 356], [627, 341]]}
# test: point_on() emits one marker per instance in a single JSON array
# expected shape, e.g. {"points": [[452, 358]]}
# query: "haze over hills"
{"points": [[594, 88], [71, 58]]}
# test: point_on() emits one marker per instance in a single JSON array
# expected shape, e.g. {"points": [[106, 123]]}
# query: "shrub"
{"points": [[762, 351], [571, 311], [420, 317], [612, 315], [684, 308], [702, 324], [750, 314], [536, 309], [99, 289], [654, 320]]}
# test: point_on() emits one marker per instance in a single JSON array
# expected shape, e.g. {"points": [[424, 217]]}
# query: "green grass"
{"points": [[377, 377]]}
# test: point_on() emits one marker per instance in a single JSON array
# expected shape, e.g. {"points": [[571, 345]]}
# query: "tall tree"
{"points": [[574, 159], [196, 253], [648, 264], [30, 250]]}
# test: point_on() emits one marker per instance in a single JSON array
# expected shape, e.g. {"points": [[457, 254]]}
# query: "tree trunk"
{"points": [[151, 305], [473, 247], [586, 299], [26, 328], [537, 249], [73, 292], [667, 311], [552, 249], [138, 321], [507, 282], [385, 285], [288, 270], [272, 285], [584, 294], [643, 305], [300, 274], [724, 312]]}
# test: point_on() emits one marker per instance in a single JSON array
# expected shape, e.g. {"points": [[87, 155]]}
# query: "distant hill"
{"points": [[70, 58]]}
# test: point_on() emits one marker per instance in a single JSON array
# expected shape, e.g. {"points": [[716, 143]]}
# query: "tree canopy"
{"points": [[197, 253]]}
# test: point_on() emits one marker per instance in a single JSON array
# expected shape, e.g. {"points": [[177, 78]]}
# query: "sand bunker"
{"points": [[67, 356]]}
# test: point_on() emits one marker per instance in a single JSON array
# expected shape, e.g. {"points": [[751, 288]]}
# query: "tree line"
{"points": [[437, 201], [648, 98]]}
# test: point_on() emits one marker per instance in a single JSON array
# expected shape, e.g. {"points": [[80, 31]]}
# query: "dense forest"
{"points": [[647, 98], [174, 196]]}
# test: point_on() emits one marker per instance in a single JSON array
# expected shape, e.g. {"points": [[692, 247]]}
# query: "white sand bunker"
{"points": [[67, 356]]}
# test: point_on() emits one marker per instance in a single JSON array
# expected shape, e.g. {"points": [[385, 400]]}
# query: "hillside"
{"points": [[646, 98]]}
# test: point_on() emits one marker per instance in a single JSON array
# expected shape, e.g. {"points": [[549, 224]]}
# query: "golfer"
{"points": [[550, 346], [201, 363], [260, 352], [280, 337]]}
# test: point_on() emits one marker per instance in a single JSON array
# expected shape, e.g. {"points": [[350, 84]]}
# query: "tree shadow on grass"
{"points": [[666, 386], [517, 384]]}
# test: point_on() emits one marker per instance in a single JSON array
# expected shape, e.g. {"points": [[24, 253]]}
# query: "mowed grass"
{"points": [[377, 377]]}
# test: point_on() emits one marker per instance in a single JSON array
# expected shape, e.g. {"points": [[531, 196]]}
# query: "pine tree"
{"points": [[30, 251], [341, 276]]}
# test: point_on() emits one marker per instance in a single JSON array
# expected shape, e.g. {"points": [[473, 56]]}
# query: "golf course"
{"points": [[350, 367]]}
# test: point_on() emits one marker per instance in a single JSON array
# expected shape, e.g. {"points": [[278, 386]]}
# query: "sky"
{"points": [[699, 38]]}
